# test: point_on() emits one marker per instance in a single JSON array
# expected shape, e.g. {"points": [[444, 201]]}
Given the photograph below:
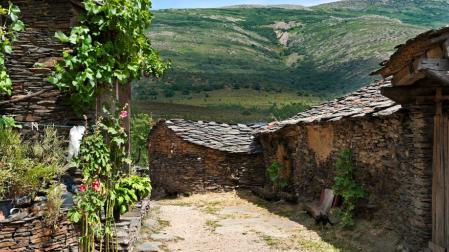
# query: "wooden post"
{"points": [[440, 161]]}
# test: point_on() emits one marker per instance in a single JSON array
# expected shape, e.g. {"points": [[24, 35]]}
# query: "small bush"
{"points": [[140, 129], [274, 172], [28, 167], [53, 204], [346, 186]]}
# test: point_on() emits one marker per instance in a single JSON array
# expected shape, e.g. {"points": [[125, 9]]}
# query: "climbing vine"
{"points": [[346, 186], [10, 27], [109, 46]]}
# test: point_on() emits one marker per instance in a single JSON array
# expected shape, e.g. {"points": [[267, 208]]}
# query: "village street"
{"points": [[239, 222]]}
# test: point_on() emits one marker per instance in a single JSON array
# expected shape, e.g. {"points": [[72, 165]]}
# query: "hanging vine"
{"points": [[109, 46], [10, 27]]}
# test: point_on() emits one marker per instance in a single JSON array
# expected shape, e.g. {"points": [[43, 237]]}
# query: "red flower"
{"points": [[83, 188], [123, 114], [96, 185]]}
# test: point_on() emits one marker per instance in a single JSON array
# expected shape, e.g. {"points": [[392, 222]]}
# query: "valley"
{"points": [[323, 51]]}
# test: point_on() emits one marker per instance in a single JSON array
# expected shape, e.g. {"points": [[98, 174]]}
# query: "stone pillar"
{"points": [[420, 175]]}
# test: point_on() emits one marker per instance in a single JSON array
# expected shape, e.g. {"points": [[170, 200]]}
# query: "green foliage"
{"points": [[107, 186], [244, 49], [140, 129], [275, 174], [130, 190], [6, 121], [110, 46], [10, 26], [53, 204], [347, 187], [26, 169]]}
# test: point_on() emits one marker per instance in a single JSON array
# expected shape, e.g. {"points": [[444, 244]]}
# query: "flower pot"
{"points": [[5, 207]]}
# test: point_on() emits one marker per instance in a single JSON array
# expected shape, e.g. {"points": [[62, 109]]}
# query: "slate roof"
{"points": [[367, 101], [237, 138], [411, 49]]}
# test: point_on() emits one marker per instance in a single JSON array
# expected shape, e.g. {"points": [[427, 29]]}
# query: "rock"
{"points": [[162, 237], [150, 223], [149, 247]]}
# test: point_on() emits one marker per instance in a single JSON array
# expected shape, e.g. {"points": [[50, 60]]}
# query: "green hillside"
{"points": [[322, 51]]}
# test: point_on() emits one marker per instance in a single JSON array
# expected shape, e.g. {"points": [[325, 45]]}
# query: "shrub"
{"points": [[346, 186], [28, 167], [140, 129], [274, 172], [53, 204]]}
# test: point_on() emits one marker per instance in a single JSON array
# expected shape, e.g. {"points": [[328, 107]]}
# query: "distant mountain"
{"points": [[325, 50], [281, 6]]}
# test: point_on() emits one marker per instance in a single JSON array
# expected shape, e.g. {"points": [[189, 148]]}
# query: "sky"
{"points": [[166, 4]]}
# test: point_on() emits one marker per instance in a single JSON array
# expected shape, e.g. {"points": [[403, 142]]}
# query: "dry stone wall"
{"points": [[38, 45], [33, 234], [178, 166], [392, 159]]}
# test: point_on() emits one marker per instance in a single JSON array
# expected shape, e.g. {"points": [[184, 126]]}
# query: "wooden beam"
{"points": [[407, 76], [26, 97], [438, 181], [434, 64], [446, 49], [435, 52], [441, 77], [407, 95]]}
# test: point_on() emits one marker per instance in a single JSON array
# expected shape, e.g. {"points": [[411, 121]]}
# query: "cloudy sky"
{"points": [[165, 4]]}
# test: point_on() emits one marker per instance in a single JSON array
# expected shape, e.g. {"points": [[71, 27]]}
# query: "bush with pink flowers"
{"points": [[104, 162]]}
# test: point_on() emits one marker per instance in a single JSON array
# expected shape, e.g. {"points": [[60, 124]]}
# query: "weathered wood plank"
{"points": [[406, 76], [438, 195], [441, 77], [446, 177], [434, 64]]}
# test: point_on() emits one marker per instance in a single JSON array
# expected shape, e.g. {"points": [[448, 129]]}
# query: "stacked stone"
{"points": [[192, 157], [365, 102], [33, 234], [220, 136], [34, 55], [392, 156]]}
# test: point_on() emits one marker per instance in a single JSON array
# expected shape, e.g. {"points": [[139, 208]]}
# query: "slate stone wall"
{"points": [[37, 44], [33, 234], [178, 166], [392, 159]]}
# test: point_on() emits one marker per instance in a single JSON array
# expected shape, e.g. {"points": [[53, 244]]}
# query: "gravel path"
{"points": [[234, 223]]}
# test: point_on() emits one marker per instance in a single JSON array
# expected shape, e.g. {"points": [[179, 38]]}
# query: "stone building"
{"points": [[187, 157], [34, 99], [34, 55], [389, 161], [399, 143]]}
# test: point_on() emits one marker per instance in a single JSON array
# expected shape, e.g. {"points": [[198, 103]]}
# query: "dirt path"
{"points": [[237, 223]]}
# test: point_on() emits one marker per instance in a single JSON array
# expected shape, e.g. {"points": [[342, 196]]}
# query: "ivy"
{"points": [[110, 46], [346, 186], [9, 30]]}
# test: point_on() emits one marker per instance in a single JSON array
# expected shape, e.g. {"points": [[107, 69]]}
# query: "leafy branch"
{"points": [[10, 27], [110, 46]]}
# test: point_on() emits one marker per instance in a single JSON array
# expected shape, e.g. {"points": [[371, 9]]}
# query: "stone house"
{"points": [[34, 99], [34, 55], [399, 143], [192, 157], [389, 161]]}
